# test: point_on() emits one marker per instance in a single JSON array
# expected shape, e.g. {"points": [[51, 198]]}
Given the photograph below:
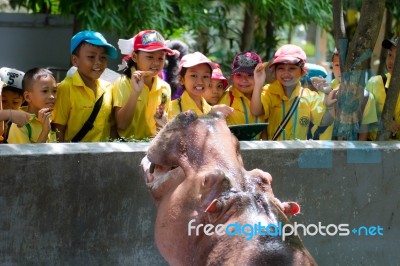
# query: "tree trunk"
{"points": [[355, 67], [391, 100], [248, 27], [382, 57], [270, 41]]}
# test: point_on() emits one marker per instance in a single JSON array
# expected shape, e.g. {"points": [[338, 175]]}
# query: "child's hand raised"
{"points": [[259, 74], [331, 99], [44, 116], [137, 80], [223, 108]]}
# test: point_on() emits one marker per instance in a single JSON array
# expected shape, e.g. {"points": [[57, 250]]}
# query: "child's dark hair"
{"points": [[129, 64], [78, 48], [171, 67], [35, 74]]}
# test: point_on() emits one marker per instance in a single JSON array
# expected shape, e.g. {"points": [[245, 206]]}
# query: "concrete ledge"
{"points": [[75, 204]]}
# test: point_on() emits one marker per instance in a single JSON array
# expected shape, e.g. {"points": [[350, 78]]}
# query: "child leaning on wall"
{"points": [[12, 96], [141, 97], [195, 72], [84, 95], [40, 89], [274, 100]]}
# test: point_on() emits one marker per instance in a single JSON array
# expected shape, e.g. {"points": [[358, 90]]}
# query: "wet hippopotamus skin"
{"points": [[194, 172]]}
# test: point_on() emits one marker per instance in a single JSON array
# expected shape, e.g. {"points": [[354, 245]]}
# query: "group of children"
{"points": [[138, 104]]}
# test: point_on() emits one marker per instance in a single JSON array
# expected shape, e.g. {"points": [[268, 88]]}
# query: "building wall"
{"points": [[28, 41], [87, 204]]}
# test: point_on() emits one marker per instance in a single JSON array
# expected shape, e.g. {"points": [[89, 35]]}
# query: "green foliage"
{"points": [[212, 27], [392, 6], [132, 139]]}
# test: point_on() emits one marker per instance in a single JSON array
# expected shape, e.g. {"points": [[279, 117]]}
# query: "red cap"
{"points": [[289, 54], [150, 41], [195, 59]]}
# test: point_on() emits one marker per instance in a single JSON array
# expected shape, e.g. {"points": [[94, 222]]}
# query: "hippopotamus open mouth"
{"points": [[195, 174]]}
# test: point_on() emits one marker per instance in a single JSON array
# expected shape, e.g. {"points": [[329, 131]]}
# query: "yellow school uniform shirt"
{"points": [[241, 108], [187, 103], [276, 104], [28, 133], [74, 104], [377, 88], [143, 124]]}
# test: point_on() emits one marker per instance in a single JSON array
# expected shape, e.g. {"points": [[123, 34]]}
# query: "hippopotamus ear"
{"points": [[291, 208], [214, 207]]}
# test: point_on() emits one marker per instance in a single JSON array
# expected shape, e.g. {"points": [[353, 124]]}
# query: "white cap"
{"points": [[12, 77]]}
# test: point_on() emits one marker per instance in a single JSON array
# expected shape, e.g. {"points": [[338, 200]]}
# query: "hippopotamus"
{"points": [[195, 174]]}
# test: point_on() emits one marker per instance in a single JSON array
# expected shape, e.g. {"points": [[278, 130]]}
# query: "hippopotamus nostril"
{"points": [[233, 190]]}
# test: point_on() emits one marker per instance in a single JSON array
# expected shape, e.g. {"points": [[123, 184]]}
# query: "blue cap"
{"points": [[94, 38]]}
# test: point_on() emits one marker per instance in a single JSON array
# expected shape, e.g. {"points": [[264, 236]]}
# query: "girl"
{"points": [[239, 94], [214, 92], [195, 76], [285, 93], [141, 97]]}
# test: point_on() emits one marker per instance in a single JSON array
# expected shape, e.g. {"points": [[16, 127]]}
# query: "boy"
{"points": [[378, 86], [83, 95], [12, 96], [40, 88]]}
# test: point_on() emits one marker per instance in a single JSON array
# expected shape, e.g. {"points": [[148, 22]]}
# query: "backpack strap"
{"points": [[231, 98], [384, 79], [289, 114], [29, 128], [7, 131], [89, 123], [179, 104]]}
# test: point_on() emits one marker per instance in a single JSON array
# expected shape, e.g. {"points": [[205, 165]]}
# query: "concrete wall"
{"points": [[86, 204]]}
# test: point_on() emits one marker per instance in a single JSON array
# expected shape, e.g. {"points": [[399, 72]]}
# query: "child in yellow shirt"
{"points": [[238, 96], [12, 96], [195, 76], [81, 93], [141, 97], [40, 89], [276, 99]]}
